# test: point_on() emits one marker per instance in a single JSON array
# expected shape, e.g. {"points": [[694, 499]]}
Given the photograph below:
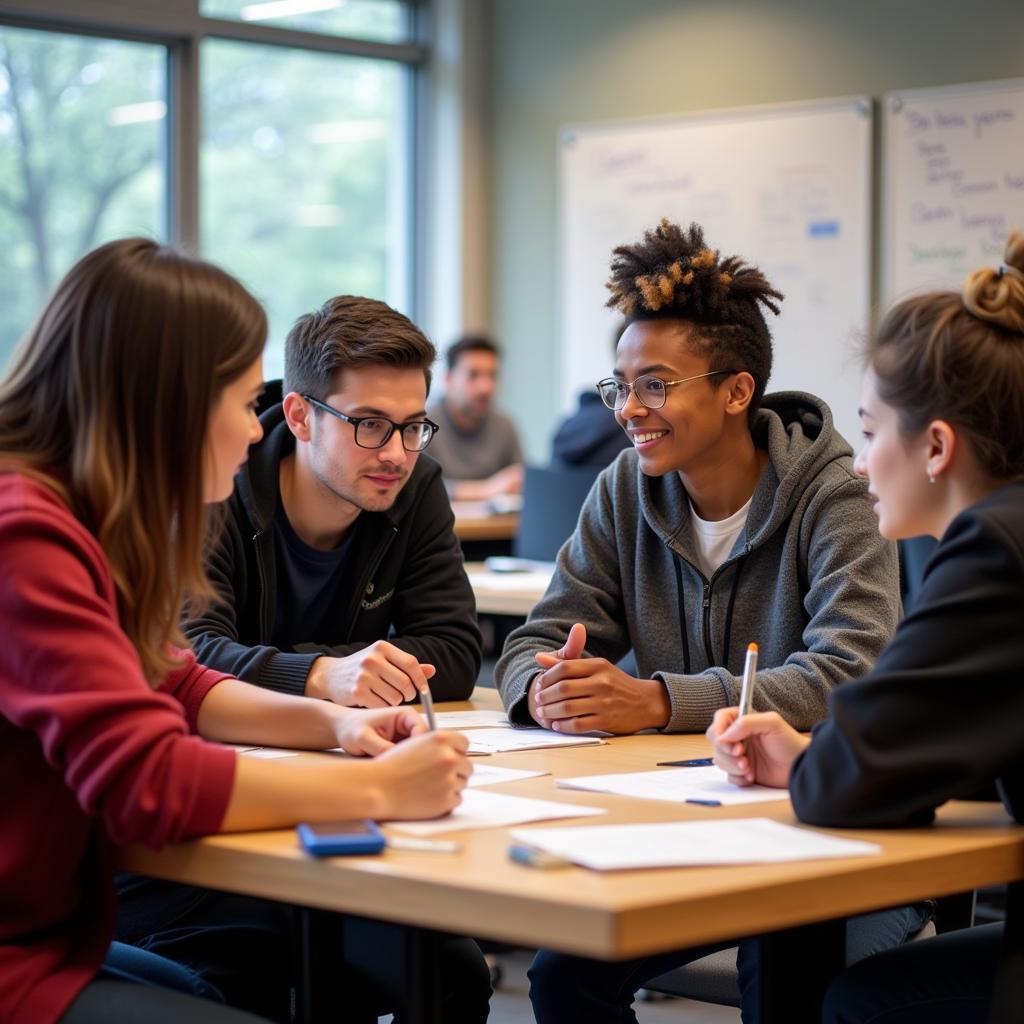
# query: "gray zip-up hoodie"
{"points": [[809, 580]]}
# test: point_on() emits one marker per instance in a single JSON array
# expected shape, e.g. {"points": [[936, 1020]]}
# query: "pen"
{"points": [[424, 845], [693, 762], [747, 687], [428, 708], [706, 803]]}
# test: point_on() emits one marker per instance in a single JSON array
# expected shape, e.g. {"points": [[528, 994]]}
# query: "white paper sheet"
{"points": [[471, 719], [263, 753], [679, 785], [499, 741], [535, 581], [481, 808], [689, 844], [491, 774]]}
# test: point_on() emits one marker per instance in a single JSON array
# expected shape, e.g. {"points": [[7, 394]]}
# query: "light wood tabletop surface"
{"points": [[474, 522], [608, 915]]}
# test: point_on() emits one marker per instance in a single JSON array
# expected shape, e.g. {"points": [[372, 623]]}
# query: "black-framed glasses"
{"points": [[376, 431], [650, 391]]}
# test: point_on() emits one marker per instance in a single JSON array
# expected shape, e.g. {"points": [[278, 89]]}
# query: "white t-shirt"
{"points": [[714, 540]]}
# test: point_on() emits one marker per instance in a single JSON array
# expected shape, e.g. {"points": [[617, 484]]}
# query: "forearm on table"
{"points": [[281, 793], [237, 712]]}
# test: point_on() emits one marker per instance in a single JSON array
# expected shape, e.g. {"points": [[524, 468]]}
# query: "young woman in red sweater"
{"points": [[128, 408]]}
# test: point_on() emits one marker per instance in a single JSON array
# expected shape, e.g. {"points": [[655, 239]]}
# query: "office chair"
{"points": [[552, 499]]}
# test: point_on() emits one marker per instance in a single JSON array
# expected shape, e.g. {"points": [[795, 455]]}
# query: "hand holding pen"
{"points": [[754, 747]]}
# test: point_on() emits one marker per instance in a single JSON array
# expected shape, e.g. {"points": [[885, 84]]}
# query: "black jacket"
{"points": [[591, 436], [940, 716], [406, 578]]}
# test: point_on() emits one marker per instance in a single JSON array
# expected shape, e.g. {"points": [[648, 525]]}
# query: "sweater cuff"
{"points": [[514, 697], [287, 673], [694, 700]]}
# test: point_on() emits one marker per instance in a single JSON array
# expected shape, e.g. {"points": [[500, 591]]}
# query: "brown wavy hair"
{"points": [[671, 273], [108, 399], [959, 356], [350, 332]]}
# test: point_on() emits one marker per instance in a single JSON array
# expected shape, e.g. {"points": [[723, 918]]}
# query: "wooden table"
{"points": [[473, 522], [623, 914], [507, 593]]}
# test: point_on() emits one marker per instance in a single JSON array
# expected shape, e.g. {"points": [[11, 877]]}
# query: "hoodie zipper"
{"points": [[266, 626], [367, 577]]}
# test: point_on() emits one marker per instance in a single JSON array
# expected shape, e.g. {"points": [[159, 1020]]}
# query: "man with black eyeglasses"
{"points": [[338, 574]]}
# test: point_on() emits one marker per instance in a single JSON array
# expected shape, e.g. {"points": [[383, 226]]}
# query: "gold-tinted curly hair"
{"points": [[674, 274], [959, 356]]}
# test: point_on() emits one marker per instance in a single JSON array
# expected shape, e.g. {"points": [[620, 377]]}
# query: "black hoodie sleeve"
{"points": [[939, 717]]}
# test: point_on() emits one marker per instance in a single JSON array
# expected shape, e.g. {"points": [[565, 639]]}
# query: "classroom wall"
{"points": [[556, 62]]}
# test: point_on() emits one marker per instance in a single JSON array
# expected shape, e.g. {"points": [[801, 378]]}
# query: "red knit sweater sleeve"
{"points": [[69, 674]]}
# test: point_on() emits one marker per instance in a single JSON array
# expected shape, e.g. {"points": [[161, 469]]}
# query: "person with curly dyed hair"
{"points": [[736, 517]]}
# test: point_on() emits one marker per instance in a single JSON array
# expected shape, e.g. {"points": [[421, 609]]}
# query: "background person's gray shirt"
{"points": [[473, 455]]}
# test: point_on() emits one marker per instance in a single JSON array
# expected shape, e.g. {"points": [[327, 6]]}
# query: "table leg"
{"points": [[1008, 996], [794, 967], [400, 961]]}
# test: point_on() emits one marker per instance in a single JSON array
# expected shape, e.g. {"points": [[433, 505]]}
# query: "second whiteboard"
{"points": [[785, 187]]}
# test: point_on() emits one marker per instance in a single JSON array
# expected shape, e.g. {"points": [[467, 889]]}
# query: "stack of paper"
{"points": [[499, 741], [689, 844], [483, 809], [679, 785], [471, 719], [491, 775]]}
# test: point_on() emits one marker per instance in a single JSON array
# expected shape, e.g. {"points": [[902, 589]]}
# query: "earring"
{"points": [[931, 479]]}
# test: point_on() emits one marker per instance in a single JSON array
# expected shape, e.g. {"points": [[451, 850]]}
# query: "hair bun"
{"points": [[998, 295]]}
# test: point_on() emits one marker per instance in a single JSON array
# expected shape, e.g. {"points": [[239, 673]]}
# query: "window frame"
{"points": [[178, 26]]}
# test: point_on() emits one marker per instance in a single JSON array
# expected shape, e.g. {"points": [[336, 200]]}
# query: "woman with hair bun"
{"points": [[939, 717]]}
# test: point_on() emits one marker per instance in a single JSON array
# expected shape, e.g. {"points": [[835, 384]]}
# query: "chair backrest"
{"points": [[552, 499]]}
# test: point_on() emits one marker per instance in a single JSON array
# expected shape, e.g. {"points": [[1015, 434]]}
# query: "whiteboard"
{"points": [[788, 188], [954, 182]]}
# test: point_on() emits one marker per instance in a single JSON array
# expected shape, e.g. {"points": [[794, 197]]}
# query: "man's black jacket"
{"points": [[407, 583]]}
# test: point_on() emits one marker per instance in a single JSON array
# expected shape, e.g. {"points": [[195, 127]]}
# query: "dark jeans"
{"points": [[243, 948], [138, 987], [569, 989], [944, 980]]}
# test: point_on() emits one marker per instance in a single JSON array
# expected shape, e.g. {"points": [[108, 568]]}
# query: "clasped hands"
{"points": [[574, 694]]}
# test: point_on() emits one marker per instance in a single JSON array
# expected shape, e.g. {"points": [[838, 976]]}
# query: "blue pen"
{"points": [[706, 803]]}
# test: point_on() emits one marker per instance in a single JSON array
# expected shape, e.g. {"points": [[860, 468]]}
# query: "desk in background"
{"points": [[615, 915], [475, 522], [508, 593]]}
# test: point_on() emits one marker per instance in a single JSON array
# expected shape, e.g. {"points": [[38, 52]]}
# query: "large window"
{"points": [[82, 158], [303, 189], [282, 146]]}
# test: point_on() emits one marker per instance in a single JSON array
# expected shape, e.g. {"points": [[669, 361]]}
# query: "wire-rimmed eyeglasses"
{"points": [[650, 391], [376, 431]]}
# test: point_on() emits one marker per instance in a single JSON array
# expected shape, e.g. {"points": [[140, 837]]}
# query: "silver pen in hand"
{"points": [[747, 687], [428, 708]]}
